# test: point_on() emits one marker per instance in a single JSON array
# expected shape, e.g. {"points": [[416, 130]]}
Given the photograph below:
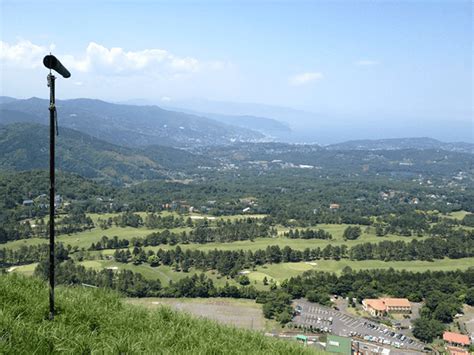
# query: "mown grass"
{"points": [[98, 321], [86, 238], [27, 269], [458, 214], [300, 244], [163, 272], [279, 272]]}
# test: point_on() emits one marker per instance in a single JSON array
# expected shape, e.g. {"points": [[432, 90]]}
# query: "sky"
{"points": [[360, 59]]}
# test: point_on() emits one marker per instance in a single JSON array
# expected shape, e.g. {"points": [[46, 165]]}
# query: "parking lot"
{"points": [[325, 319]]}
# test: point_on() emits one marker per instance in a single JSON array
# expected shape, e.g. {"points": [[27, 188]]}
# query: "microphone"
{"points": [[51, 62]]}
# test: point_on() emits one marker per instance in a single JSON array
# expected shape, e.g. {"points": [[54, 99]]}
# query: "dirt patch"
{"points": [[230, 312]]}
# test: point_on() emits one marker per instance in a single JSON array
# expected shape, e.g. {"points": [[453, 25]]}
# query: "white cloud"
{"points": [[23, 54], [118, 61], [99, 59], [165, 99], [366, 62], [304, 78]]}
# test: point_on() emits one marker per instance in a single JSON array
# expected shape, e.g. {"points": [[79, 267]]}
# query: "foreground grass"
{"points": [[98, 321]]}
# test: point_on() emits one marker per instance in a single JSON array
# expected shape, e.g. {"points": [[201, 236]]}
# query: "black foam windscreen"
{"points": [[51, 62]]}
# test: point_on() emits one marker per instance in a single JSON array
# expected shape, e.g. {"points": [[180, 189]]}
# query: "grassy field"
{"points": [[237, 312], [85, 239], [458, 214], [97, 321], [276, 272], [279, 272], [23, 269], [164, 273], [300, 244]]}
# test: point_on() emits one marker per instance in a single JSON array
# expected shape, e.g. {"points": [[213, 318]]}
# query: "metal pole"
{"points": [[52, 137]]}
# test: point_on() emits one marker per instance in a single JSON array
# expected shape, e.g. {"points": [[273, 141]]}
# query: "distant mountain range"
{"points": [[139, 126], [128, 125], [270, 127], [25, 146], [403, 143]]}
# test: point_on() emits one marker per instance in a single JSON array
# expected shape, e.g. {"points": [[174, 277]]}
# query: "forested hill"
{"points": [[403, 143], [128, 125], [25, 146]]}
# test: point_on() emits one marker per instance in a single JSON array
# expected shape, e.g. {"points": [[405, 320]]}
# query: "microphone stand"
{"points": [[52, 138]]}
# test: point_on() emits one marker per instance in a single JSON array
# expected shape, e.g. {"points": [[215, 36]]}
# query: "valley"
{"points": [[208, 228]]}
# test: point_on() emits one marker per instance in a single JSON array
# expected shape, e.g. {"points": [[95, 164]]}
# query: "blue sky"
{"points": [[364, 59]]}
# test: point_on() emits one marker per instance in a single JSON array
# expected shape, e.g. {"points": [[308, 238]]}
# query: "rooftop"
{"points": [[382, 304], [396, 302], [457, 338], [375, 303], [457, 351]]}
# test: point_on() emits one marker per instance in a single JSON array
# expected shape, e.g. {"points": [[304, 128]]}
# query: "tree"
{"points": [[243, 280], [434, 299], [352, 233], [153, 260], [427, 329], [469, 298], [137, 260], [267, 309], [444, 313], [468, 220], [318, 297], [284, 317]]}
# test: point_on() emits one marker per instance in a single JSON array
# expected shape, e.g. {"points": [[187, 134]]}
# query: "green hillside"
{"points": [[25, 146], [128, 125], [97, 321]]}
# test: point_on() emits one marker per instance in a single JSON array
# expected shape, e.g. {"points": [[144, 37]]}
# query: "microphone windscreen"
{"points": [[51, 62]]}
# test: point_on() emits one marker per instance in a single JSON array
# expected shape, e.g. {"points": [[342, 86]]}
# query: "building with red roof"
{"points": [[378, 307], [456, 339], [456, 351]]}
